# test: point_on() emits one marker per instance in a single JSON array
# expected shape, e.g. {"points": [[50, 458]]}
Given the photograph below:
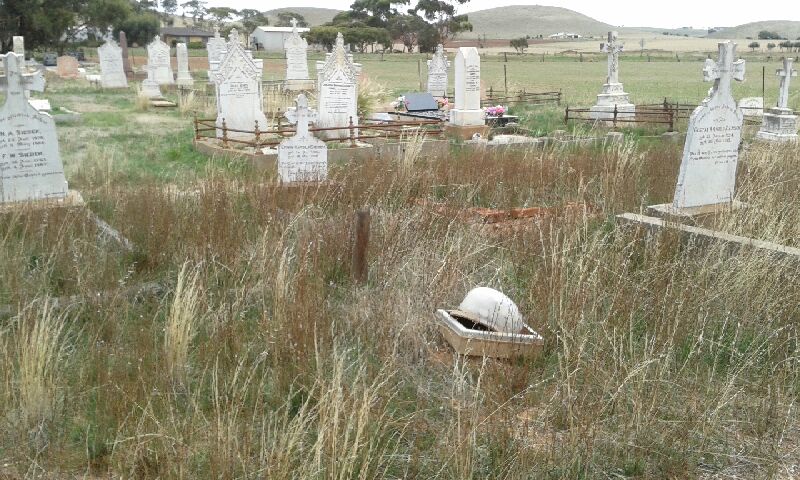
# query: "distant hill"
{"points": [[785, 28], [521, 20], [314, 16], [680, 32]]}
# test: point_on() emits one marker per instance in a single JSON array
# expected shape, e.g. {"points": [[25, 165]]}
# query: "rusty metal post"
{"points": [[224, 133], [360, 265], [352, 133], [671, 121], [566, 116], [558, 99], [196, 128], [258, 137], [615, 116]]}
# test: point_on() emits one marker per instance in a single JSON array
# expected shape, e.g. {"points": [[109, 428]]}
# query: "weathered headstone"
{"points": [[184, 77], [302, 158], [707, 177], [67, 67], [780, 123], [437, 73], [19, 46], [126, 61], [30, 163], [239, 94], [752, 106], [216, 48], [112, 67], [467, 109], [158, 57], [150, 87], [296, 49], [337, 79], [613, 94]]}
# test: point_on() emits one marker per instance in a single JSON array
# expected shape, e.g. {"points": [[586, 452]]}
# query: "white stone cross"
{"points": [[16, 83], [301, 115], [613, 49], [29, 81], [786, 74], [725, 69], [294, 23]]}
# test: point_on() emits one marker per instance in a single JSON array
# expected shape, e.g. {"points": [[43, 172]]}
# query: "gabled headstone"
{"points": [[216, 50], [302, 158], [150, 87], [613, 93], [158, 57], [780, 123], [707, 177], [296, 48], [30, 163], [239, 94], [126, 61], [437, 73], [337, 87], [467, 109], [67, 67], [184, 77], [112, 67]]}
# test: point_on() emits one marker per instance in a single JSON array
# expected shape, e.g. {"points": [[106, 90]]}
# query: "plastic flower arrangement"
{"points": [[443, 103], [496, 111], [400, 104]]}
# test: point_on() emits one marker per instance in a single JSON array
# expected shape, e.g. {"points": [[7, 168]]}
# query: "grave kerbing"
{"points": [[302, 158]]}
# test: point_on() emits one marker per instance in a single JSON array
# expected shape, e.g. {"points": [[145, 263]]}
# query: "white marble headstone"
{"points": [[780, 123], [150, 88], [467, 109], [302, 158], [19, 46], [711, 153], [184, 77], [216, 48], [30, 163], [158, 57], [112, 68], [337, 89], [437, 73], [239, 94], [296, 55]]}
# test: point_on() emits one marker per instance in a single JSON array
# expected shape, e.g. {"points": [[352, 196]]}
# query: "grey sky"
{"points": [[630, 13]]}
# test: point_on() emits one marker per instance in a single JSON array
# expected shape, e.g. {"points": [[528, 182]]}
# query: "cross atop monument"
{"points": [[613, 49], [301, 115], [724, 70], [786, 74], [18, 83], [294, 23], [234, 36]]}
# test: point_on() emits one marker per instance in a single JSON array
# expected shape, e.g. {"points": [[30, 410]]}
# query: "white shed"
{"points": [[271, 39]]}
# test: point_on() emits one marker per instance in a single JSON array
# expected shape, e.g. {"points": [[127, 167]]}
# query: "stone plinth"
{"points": [[668, 211], [613, 95], [466, 132], [779, 125], [488, 343]]}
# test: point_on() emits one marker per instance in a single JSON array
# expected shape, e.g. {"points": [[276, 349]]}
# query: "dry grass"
{"points": [[663, 359]]}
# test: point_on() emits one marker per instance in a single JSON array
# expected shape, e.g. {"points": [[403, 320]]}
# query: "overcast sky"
{"points": [[627, 13]]}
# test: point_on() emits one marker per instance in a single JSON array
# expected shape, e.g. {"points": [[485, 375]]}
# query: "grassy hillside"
{"points": [[520, 20], [786, 28], [314, 16]]}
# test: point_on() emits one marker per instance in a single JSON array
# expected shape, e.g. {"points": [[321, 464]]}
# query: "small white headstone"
{"points": [[467, 109], [239, 94], [613, 95], [296, 49], [19, 46], [302, 158], [780, 123], [30, 164], [711, 153], [112, 67], [437, 73], [184, 77], [150, 88], [158, 57], [338, 90], [216, 48]]}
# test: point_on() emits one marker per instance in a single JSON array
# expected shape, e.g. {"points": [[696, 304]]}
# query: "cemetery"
{"points": [[222, 262]]}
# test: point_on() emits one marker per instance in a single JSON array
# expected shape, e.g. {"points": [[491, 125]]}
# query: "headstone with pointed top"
{"points": [[437, 73], [780, 123], [112, 66], [302, 158], [467, 109], [216, 48], [613, 96], [296, 48], [184, 76], [707, 177], [30, 163], [239, 93], [337, 87], [158, 57]]}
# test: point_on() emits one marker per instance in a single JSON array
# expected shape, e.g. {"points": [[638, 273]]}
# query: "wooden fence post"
{"points": [[360, 265], [352, 133], [258, 137], [196, 128], [224, 133], [615, 115]]}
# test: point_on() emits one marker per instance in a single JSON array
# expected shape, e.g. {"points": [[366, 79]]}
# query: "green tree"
{"points": [[195, 8], [378, 12], [408, 29], [753, 46], [250, 19], [169, 6], [324, 35], [221, 14], [771, 46], [140, 28], [519, 44], [363, 37], [442, 13], [285, 19]]}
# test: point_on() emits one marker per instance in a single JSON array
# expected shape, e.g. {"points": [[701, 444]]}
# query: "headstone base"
{"points": [[41, 104], [466, 132], [185, 82], [667, 211], [73, 199], [606, 112], [151, 89], [467, 118], [300, 85], [481, 343], [779, 125]]}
